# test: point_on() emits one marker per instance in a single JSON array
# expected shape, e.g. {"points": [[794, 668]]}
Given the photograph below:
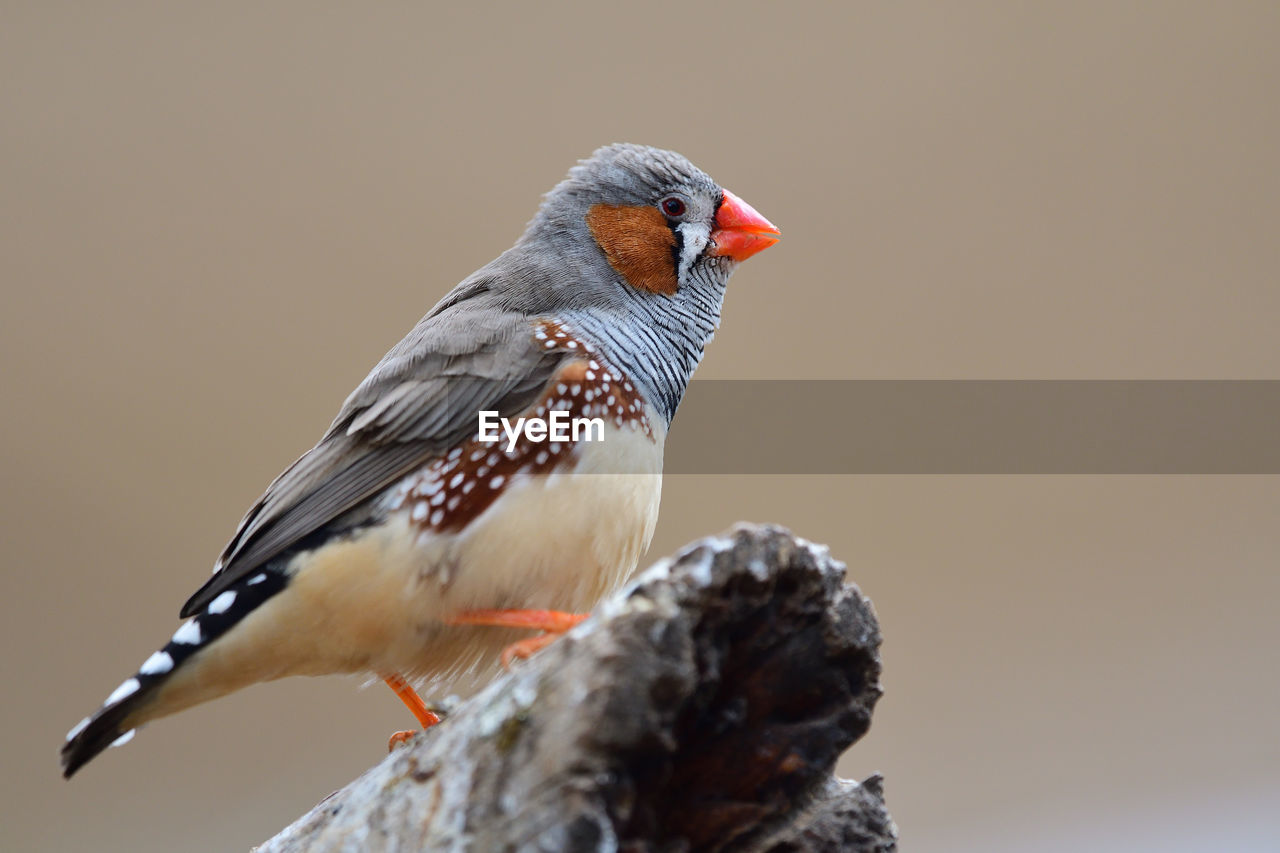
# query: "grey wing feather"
{"points": [[418, 402]]}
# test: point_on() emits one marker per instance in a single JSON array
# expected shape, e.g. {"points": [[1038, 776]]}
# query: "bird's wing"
{"points": [[421, 400]]}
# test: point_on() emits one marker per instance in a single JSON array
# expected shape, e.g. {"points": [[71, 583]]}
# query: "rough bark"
{"points": [[703, 708]]}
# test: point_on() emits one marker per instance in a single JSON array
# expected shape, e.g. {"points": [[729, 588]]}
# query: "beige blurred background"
{"points": [[214, 219]]}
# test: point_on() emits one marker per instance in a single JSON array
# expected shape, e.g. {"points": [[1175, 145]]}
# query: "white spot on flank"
{"points": [[158, 664], [455, 453], [124, 691], [437, 517], [257, 579], [468, 486], [78, 728], [420, 510], [222, 602], [188, 634], [457, 480], [561, 388], [124, 738], [496, 482]]}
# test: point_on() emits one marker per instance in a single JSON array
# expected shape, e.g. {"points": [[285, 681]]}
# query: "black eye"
{"points": [[672, 206]]}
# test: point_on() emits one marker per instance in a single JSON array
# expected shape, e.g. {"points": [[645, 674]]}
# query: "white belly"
{"points": [[560, 542]]}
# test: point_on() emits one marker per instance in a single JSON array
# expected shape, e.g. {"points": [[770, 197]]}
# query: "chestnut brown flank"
{"points": [[638, 243], [455, 490]]}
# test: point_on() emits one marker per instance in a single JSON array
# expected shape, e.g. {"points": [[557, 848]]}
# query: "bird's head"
{"points": [[649, 221]]}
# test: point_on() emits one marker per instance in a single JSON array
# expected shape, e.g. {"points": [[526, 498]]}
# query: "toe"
{"points": [[399, 739]]}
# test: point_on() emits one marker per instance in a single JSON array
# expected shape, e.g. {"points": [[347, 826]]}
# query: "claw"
{"points": [[399, 739]]}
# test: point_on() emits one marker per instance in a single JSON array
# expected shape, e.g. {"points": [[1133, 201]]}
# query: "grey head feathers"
{"points": [[623, 174]]}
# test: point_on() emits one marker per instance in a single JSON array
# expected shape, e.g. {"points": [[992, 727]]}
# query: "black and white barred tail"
{"points": [[133, 702]]}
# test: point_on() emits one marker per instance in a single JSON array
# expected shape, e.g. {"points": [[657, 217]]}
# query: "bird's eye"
{"points": [[672, 206]]}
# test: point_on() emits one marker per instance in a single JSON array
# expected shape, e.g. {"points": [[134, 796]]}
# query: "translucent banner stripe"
{"points": [[977, 427]]}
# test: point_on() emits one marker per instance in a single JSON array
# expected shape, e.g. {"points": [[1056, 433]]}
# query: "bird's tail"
{"points": [[147, 694]]}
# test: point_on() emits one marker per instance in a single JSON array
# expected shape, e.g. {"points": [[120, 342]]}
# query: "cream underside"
{"points": [[376, 602]]}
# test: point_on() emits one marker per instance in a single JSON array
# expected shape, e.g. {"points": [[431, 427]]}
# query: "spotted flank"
{"points": [[451, 491], [114, 724]]}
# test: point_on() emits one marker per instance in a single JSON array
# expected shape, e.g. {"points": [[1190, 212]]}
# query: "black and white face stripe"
{"points": [[691, 244]]}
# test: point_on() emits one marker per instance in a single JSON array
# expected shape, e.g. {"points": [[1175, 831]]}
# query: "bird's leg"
{"points": [[552, 622], [555, 621], [414, 703]]}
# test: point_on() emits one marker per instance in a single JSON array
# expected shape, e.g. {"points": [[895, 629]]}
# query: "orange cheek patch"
{"points": [[638, 243]]}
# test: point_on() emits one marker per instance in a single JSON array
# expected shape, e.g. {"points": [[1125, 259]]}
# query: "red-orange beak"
{"points": [[740, 231]]}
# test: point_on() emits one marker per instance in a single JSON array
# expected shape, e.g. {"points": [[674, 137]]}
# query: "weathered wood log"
{"points": [[703, 708]]}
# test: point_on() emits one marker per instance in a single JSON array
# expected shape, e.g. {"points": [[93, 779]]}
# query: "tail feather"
{"points": [[133, 702], [108, 727]]}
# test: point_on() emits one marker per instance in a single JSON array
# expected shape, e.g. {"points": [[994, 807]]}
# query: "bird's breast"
{"points": [[559, 531], [564, 539]]}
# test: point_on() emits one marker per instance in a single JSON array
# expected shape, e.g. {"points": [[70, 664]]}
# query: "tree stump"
{"points": [[702, 708]]}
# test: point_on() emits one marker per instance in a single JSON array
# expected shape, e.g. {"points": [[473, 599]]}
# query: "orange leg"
{"points": [[553, 622], [413, 701]]}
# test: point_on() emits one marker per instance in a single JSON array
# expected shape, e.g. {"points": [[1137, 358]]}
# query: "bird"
{"points": [[409, 542]]}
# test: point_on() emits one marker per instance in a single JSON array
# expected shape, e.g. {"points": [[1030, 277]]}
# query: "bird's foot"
{"points": [[425, 715], [552, 622], [399, 739], [526, 648]]}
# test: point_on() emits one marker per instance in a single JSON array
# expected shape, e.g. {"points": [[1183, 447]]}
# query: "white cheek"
{"points": [[695, 235]]}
